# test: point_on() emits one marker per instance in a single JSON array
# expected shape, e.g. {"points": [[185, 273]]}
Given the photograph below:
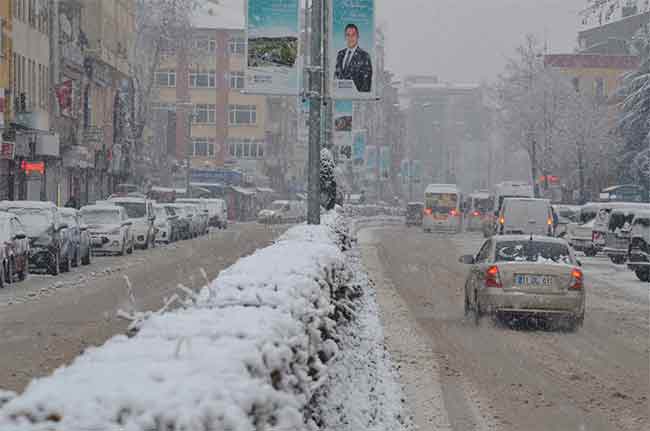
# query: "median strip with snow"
{"points": [[246, 353]]}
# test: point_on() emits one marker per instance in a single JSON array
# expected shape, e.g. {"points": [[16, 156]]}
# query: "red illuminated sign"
{"points": [[33, 167]]}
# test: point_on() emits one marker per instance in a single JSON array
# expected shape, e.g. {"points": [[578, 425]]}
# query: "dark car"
{"points": [[14, 249], [78, 236], [414, 213], [50, 249]]}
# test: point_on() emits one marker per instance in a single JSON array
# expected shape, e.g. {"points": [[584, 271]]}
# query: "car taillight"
{"points": [[549, 221], [502, 220], [428, 211], [476, 213], [493, 278], [453, 213], [577, 279]]}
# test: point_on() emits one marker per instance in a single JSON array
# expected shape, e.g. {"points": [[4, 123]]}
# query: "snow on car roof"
{"points": [[128, 199], [26, 204], [642, 214], [435, 188], [536, 238], [102, 207]]}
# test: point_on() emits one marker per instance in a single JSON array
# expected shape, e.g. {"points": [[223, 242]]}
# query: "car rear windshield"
{"points": [[645, 222], [618, 220], [441, 202], [483, 205], [532, 251], [134, 209], [35, 220]]}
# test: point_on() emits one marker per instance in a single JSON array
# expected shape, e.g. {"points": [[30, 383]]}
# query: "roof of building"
{"points": [[221, 15], [592, 61], [623, 28]]}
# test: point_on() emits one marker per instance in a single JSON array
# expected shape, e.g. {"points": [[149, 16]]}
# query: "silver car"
{"points": [[523, 275]]}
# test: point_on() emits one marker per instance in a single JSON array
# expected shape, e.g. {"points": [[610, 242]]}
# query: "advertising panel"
{"points": [[272, 48], [352, 49]]}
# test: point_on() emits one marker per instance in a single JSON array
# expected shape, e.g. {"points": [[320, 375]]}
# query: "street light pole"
{"points": [[315, 123]]}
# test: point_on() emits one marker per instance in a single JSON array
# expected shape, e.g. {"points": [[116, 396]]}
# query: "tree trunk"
{"points": [[581, 175]]}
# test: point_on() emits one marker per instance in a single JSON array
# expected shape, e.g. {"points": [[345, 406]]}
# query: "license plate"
{"points": [[533, 280]]}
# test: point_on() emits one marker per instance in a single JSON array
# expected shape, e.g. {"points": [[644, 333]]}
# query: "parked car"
{"points": [[110, 229], [50, 249], [580, 233], [523, 275], [526, 216], [78, 236], [601, 227], [14, 249], [183, 220], [166, 227], [140, 213], [206, 210], [617, 238], [639, 253], [283, 212], [414, 213]]}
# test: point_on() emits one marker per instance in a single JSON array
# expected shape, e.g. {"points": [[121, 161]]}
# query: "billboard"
{"points": [[352, 49], [359, 147], [272, 47]]}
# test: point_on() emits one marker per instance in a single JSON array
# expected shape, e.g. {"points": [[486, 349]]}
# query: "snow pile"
{"points": [[372, 211], [247, 352]]}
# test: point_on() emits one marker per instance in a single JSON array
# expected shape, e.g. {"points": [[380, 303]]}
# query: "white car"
{"points": [[202, 210], [166, 228], [109, 227], [526, 216], [283, 212], [140, 213]]}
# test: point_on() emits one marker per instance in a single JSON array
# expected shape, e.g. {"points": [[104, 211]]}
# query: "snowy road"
{"points": [[47, 321], [493, 377]]}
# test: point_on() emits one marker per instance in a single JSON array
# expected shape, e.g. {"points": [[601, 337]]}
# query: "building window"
{"points": [[205, 114], [246, 149], [236, 80], [237, 46], [203, 79], [203, 147], [242, 115], [205, 45], [166, 78]]}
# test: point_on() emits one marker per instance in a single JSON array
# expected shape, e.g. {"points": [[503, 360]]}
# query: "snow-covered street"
{"points": [[497, 377]]}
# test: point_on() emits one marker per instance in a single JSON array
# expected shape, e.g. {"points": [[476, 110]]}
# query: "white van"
{"points": [[502, 191], [140, 213], [443, 209], [523, 216]]}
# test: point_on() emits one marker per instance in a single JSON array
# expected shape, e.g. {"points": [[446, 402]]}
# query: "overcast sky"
{"points": [[468, 40]]}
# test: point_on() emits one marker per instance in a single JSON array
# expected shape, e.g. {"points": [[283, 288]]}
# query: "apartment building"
{"points": [[203, 112]]}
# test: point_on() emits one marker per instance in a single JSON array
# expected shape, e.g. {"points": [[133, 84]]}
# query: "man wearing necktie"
{"points": [[353, 63]]}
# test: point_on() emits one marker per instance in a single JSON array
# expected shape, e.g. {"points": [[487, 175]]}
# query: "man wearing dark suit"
{"points": [[353, 63]]}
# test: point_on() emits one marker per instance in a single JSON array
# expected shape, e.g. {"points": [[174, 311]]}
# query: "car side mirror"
{"points": [[83, 227], [20, 236], [468, 259]]}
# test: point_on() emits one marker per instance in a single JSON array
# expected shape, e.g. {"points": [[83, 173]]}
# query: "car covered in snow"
{"points": [[580, 233], [14, 249], [565, 216], [604, 228], [183, 219], [525, 276], [639, 252], [140, 213], [50, 248], [109, 227], [78, 236], [283, 212]]}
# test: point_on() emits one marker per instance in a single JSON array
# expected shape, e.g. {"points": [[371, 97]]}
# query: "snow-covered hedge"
{"points": [[247, 352], [372, 210]]}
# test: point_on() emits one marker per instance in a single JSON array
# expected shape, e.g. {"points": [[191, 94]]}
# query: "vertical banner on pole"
{"points": [[352, 49], [272, 47], [359, 147], [384, 161], [343, 125]]}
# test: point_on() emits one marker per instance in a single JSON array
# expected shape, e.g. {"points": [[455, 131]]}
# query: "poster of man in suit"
{"points": [[352, 48]]}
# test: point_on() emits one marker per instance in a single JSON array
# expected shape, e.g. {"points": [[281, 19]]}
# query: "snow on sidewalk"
{"points": [[268, 345]]}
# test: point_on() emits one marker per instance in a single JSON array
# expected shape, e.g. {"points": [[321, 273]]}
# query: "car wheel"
{"points": [[643, 274], [86, 259], [468, 306], [66, 265], [22, 275], [75, 261], [476, 311], [55, 265], [591, 252]]}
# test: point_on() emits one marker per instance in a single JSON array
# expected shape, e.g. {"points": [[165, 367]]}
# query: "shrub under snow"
{"points": [[246, 353]]}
